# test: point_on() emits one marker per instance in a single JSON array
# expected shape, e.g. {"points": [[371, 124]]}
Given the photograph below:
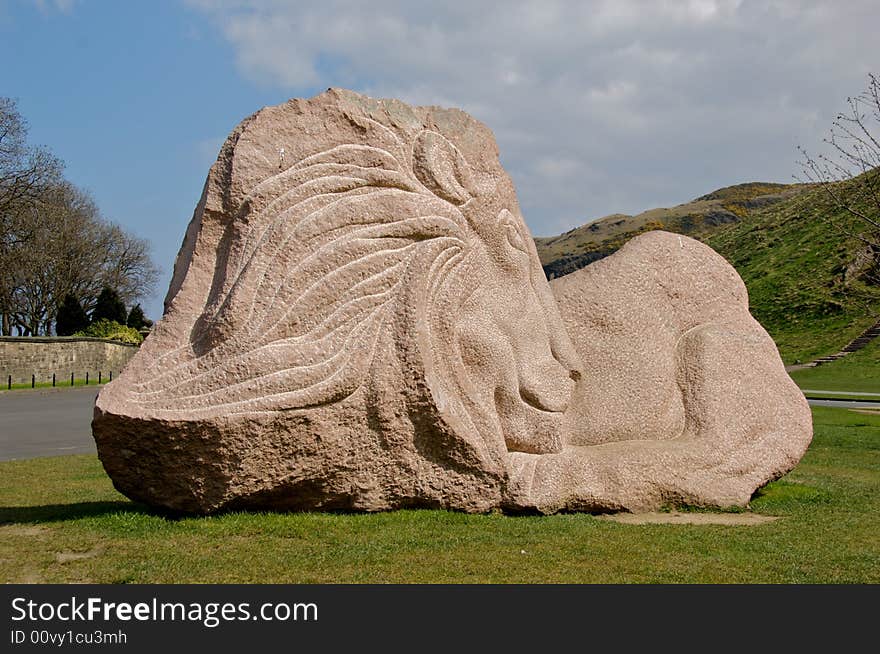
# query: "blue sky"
{"points": [[598, 107], [136, 98]]}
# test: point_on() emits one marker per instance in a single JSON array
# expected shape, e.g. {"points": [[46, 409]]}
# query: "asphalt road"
{"points": [[847, 393], [48, 422], [55, 422]]}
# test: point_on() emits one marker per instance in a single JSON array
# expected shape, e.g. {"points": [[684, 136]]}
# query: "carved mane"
{"points": [[318, 257]]}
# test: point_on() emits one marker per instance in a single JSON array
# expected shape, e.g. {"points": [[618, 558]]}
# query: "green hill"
{"points": [[698, 218], [804, 277]]}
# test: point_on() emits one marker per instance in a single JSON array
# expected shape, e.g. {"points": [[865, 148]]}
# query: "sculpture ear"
{"points": [[441, 168]]}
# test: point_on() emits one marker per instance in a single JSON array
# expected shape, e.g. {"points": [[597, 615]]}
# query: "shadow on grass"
{"points": [[61, 512]]}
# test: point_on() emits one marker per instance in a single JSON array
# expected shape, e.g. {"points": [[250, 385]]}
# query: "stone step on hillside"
{"points": [[867, 336], [829, 359], [863, 339], [854, 345]]}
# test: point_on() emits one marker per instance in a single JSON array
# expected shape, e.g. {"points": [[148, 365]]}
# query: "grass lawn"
{"points": [[61, 521], [859, 371], [59, 383]]}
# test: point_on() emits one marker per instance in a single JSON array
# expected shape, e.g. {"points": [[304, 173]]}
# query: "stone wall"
{"points": [[22, 357]]}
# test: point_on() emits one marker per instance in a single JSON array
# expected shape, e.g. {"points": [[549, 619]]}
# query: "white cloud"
{"points": [[47, 6], [556, 167], [598, 107]]}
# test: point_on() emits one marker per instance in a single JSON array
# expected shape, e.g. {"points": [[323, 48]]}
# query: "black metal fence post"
{"points": [[9, 383], [33, 381], [87, 377], [111, 375], [53, 380], [71, 379], [99, 377]]}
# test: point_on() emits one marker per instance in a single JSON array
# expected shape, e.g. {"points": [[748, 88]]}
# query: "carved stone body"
{"points": [[362, 323]]}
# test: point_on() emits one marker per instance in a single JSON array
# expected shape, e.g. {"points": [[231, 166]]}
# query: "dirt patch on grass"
{"points": [[67, 557], [31, 577], [22, 530], [678, 518], [867, 412]]}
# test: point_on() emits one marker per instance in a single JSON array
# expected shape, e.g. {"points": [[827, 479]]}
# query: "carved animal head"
{"points": [[369, 250], [511, 364]]}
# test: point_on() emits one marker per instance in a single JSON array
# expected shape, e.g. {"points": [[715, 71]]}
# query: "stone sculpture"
{"points": [[358, 320]]}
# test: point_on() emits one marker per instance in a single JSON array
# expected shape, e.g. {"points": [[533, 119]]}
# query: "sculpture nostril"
{"points": [[547, 390]]}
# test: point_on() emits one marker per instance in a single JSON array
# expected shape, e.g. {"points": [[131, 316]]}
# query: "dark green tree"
{"points": [[136, 318], [109, 307], [71, 316]]}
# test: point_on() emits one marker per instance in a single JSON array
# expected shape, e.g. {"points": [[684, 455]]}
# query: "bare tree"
{"points": [[850, 176], [25, 171], [25, 174], [57, 258], [53, 240], [72, 250], [127, 267]]}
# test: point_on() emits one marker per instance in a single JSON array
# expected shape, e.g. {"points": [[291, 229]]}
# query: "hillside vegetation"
{"points": [[698, 218], [805, 278]]}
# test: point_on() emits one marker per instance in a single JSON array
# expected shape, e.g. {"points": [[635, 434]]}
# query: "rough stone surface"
{"points": [[358, 320], [683, 398]]}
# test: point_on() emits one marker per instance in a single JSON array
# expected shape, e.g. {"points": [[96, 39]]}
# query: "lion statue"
{"points": [[358, 320]]}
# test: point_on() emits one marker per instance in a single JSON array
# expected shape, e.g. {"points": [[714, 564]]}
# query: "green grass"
{"points": [[795, 267], [61, 521], [859, 372], [59, 383]]}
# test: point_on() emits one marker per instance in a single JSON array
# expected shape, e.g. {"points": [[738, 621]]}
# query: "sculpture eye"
{"points": [[514, 238], [511, 232]]}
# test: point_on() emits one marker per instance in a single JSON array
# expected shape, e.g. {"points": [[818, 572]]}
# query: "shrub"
{"points": [[113, 330]]}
